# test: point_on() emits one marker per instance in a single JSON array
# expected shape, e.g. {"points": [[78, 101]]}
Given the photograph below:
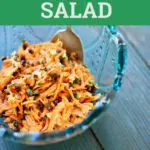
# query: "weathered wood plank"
{"points": [[82, 142], [126, 126], [139, 37]]}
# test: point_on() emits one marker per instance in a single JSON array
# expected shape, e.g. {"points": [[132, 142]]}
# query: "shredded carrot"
{"points": [[44, 89]]}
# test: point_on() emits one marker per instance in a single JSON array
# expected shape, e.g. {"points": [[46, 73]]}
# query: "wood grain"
{"points": [[126, 126], [139, 37]]}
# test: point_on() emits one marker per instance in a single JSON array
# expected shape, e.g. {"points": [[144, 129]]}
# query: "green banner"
{"points": [[74, 12]]}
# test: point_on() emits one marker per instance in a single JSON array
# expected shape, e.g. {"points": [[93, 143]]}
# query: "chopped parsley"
{"points": [[75, 94], [32, 93], [77, 81], [91, 82]]}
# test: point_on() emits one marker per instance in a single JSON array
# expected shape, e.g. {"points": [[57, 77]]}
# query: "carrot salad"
{"points": [[43, 89]]}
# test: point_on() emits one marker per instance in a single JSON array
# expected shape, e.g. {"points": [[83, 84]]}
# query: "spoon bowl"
{"points": [[71, 42]]}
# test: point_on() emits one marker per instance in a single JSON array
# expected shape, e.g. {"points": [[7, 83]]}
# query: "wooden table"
{"points": [[126, 125]]}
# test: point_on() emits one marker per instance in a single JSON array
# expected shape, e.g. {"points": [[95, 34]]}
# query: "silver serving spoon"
{"points": [[71, 42]]}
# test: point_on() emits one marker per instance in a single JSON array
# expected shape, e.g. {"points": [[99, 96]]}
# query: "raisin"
{"points": [[69, 98], [25, 45], [62, 60], [27, 108], [15, 73], [24, 107], [35, 77], [57, 101], [30, 51], [7, 93], [18, 88], [91, 89], [17, 109], [40, 106], [23, 60], [4, 58], [58, 51], [48, 97], [19, 70], [68, 55], [5, 87], [77, 81], [54, 76]]}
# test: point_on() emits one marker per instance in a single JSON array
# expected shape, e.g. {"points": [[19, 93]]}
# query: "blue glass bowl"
{"points": [[105, 53]]}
